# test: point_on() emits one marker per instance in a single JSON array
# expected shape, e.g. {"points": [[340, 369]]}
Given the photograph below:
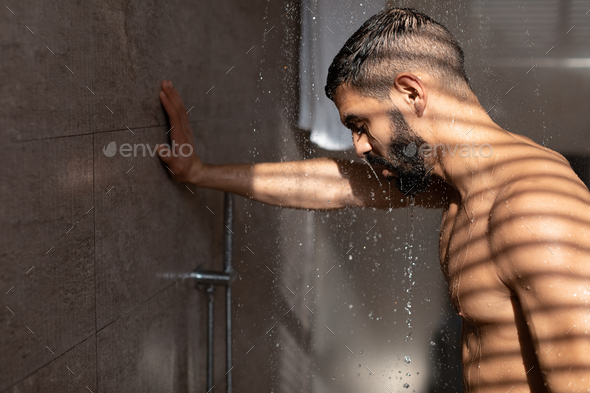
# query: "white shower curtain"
{"points": [[326, 25]]}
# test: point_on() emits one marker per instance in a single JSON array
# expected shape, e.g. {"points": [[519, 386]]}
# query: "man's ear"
{"points": [[413, 92]]}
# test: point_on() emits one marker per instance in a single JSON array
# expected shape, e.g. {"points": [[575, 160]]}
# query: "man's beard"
{"points": [[403, 156]]}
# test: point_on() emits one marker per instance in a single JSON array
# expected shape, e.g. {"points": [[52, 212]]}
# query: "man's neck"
{"points": [[465, 149]]}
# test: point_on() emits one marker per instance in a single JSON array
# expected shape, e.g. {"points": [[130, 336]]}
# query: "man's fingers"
{"points": [[170, 108], [179, 119], [164, 154], [176, 98], [170, 95], [173, 96]]}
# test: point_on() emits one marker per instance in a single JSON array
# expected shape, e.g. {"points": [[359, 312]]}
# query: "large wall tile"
{"points": [[137, 45], [40, 97], [47, 243], [149, 230], [155, 348], [74, 371], [87, 56]]}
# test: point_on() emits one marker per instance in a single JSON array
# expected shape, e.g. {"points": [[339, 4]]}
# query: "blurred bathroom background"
{"points": [[95, 250]]}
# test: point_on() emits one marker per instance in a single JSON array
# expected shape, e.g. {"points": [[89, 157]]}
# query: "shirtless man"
{"points": [[515, 234]]}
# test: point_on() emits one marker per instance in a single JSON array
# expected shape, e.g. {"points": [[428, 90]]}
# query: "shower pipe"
{"points": [[225, 278]]}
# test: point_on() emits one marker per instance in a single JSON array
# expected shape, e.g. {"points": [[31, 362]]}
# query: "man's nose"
{"points": [[361, 144]]}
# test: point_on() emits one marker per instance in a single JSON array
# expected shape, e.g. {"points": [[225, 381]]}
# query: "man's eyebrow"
{"points": [[350, 118]]}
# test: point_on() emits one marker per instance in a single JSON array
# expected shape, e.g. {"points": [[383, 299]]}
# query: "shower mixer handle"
{"points": [[213, 277]]}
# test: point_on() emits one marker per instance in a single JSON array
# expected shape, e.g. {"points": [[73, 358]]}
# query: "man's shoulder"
{"points": [[540, 182], [537, 208]]}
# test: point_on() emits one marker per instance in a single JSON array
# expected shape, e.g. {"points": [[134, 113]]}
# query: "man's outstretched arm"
{"points": [[322, 183]]}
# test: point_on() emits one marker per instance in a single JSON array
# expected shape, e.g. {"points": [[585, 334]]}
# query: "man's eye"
{"points": [[358, 130]]}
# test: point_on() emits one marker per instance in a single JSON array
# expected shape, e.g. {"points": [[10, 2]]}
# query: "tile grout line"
{"points": [[47, 364], [81, 134], [6, 143], [94, 258], [139, 305], [95, 334]]}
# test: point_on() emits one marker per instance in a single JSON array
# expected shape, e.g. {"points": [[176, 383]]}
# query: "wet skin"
{"points": [[514, 238]]}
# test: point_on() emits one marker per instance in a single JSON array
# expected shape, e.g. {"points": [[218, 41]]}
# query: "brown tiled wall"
{"points": [[92, 248]]}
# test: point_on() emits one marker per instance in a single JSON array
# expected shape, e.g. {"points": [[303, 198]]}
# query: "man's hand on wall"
{"points": [[180, 155]]}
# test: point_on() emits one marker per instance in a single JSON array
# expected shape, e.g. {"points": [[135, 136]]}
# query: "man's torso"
{"points": [[497, 351]]}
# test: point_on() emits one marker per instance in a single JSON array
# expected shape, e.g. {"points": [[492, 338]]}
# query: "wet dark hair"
{"points": [[399, 40]]}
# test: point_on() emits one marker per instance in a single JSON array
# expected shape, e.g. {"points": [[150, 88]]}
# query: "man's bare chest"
{"points": [[476, 292]]}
